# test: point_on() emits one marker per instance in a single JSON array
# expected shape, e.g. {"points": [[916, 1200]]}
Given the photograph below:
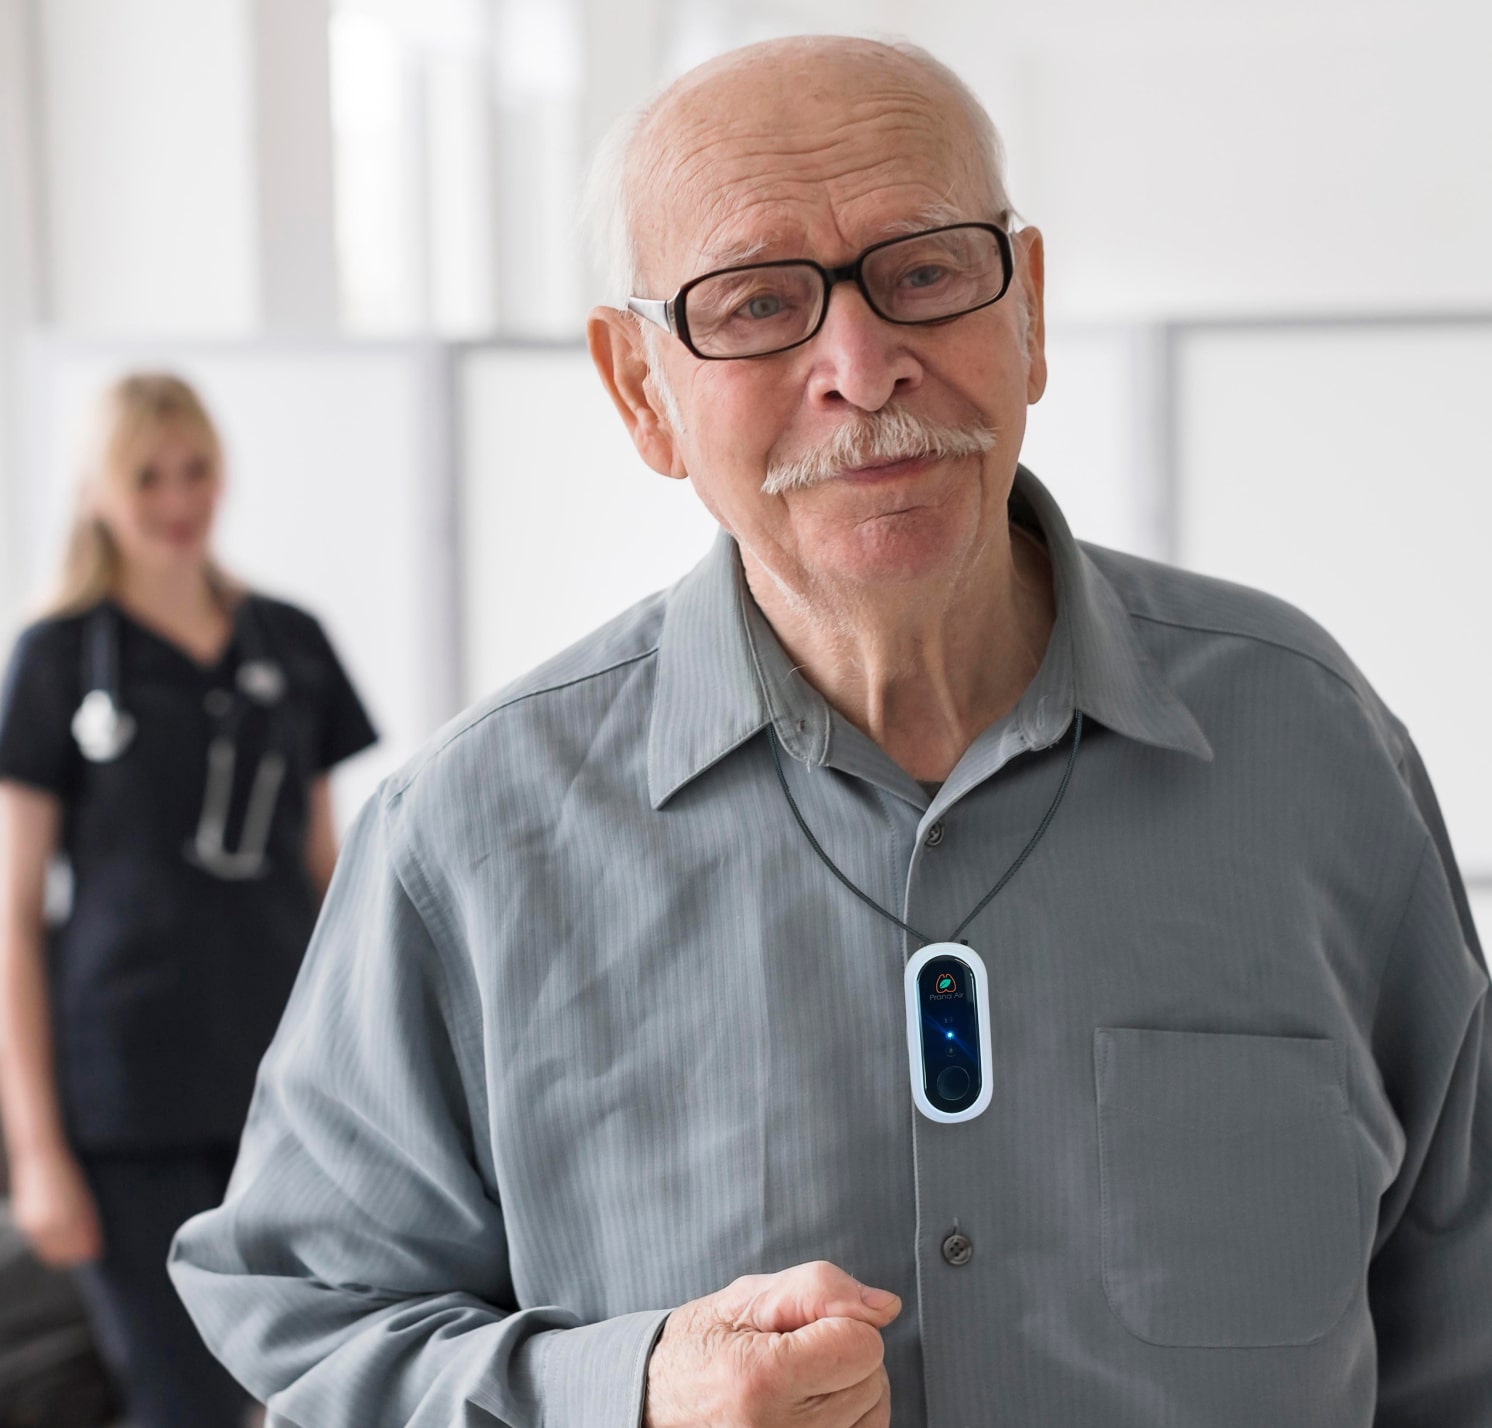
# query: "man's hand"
{"points": [[774, 1351]]}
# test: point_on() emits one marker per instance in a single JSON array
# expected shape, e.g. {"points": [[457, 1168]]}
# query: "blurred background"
{"points": [[351, 223]]}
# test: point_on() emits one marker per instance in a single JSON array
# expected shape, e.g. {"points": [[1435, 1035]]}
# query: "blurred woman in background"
{"points": [[170, 732]]}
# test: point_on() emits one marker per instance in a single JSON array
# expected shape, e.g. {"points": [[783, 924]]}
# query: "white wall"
{"points": [[150, 176], [20, 276], [1095, 438], [563, 525], [289, 64], [187, 150]]}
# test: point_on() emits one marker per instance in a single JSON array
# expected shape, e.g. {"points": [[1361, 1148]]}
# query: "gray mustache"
{"points": [[891, 434]]}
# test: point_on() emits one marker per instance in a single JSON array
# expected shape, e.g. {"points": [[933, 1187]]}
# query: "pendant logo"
{"points": [[945, 983]]}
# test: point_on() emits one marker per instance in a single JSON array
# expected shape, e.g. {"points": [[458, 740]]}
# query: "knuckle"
{"points": [[822, 1276], [741, 1285]]}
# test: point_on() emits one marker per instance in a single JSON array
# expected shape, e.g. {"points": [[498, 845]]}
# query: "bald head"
{"points": [[682, 163]]}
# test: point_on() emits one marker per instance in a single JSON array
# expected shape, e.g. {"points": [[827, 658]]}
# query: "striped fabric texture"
{"points": [[587, 1031]]}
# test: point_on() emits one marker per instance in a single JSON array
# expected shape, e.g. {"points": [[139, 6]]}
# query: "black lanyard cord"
{"points": [[984, 902]]}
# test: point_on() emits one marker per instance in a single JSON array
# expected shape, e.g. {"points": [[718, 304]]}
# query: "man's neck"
{"points": [[924, 675]]}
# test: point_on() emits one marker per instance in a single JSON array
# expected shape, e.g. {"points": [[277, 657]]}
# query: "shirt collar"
{"points": [[708, 699], [1113, 680], [723, 676]]}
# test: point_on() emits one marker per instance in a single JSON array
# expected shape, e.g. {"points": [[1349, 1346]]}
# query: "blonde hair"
{"points": [[131, 414]]}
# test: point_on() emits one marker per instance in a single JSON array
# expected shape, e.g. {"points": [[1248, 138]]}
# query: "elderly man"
{"points": [[599, 1103]]}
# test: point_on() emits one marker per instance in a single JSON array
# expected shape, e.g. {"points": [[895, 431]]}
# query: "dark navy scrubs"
{"points": [[166, 981]]}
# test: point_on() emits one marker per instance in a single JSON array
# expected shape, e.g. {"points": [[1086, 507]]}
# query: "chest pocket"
{"points": [[1230, 1203]]}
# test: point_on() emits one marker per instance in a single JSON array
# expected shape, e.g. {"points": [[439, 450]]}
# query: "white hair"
{"points": [[607, 210]]}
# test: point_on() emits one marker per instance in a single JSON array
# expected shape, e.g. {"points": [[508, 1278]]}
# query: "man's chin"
{"points": [[903, 546]]}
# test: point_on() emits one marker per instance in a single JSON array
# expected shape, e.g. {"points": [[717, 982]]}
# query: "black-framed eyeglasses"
{"points": [[761, 308]]}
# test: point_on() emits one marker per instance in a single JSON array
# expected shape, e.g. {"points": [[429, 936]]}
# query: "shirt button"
{"points": [[958, 1249], [934, 835]]}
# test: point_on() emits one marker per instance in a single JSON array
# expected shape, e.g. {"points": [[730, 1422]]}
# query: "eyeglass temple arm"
{"points": [[659, 310]]}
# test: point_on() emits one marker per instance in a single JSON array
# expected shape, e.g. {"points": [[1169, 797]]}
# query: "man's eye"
{"points": [[764, 305], [926, 276]]}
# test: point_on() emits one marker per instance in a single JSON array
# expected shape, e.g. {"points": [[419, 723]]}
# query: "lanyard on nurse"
{"points": [[946, 985]]}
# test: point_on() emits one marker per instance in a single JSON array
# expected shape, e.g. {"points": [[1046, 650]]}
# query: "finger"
{"points": [[778, 1392], [829, 1356], [854, 1406], [818, 1290], [879, 1414]]}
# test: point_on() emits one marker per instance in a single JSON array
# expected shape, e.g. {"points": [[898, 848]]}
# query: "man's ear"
{"points": [[616, 348], [1030, 273]]}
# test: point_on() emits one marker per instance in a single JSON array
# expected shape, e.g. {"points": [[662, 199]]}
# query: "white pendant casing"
{"points": [[917, 1030]]}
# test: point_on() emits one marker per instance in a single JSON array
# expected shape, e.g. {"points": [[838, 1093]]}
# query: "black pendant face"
{"points": [[948, 1002]]}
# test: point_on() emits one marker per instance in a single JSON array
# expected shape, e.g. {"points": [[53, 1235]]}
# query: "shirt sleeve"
{"points": [[1417, 779], [357, 1272], [39, 698], [1430, 1283], [345, 726]]}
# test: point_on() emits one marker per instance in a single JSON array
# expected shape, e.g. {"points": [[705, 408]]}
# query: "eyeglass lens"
{"points": [[752, 311]]}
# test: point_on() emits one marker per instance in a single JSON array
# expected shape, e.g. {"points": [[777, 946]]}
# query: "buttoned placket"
{"points": [[954, 846], [945, 880], [942, 870]]}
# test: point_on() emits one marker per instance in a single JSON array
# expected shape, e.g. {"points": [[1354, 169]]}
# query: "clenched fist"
{"points": [[775, 1351]]}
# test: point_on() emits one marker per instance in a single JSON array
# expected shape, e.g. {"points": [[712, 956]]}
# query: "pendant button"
{"points": [[958, 1249], [934, 835], [953, 1081]]}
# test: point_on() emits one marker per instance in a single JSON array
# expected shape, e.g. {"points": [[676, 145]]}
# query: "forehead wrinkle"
{"points": [[878, 123], [723, 227], [733, 233]]}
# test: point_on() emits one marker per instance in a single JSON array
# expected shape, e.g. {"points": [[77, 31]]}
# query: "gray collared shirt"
{"points": [[586, 1031]]}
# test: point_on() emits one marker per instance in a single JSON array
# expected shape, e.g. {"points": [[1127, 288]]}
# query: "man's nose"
{"points": [[860, 359]]}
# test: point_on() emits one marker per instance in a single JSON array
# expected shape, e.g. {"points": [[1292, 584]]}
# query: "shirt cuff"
{"points": [[595, 1375]]}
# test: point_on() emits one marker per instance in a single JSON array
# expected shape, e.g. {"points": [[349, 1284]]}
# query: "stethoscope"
{"points": [[104, 729]]}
